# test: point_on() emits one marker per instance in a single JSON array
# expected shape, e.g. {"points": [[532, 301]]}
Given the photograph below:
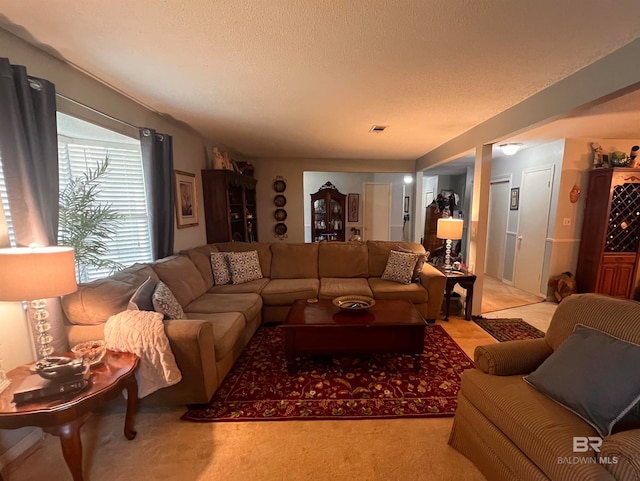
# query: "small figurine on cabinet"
{"points": [[218, 159], [597, 155]]}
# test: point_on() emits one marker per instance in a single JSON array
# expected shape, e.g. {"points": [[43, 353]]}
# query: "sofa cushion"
{"points": [[142, 299], [584, 374], [227, 329], [247, 304], [182, 277], [294, 261], [201, 258], [379, 253], [331, 287], [220, 268], [251, 286], [541, 428], [244, 267], [383, 289], [400, 266], [166, 303], [263, 248], [343, 259], [95, 302], [282, 292]]}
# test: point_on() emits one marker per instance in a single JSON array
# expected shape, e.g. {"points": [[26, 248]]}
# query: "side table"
{"points": [[64, 416], [466, 281]]}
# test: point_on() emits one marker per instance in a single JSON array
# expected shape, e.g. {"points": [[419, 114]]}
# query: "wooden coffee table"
{"points": [[64, 416], [322, 328]]}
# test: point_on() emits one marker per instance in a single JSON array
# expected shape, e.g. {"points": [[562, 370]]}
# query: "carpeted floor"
{"points": [[260, 388], [508, 329]]}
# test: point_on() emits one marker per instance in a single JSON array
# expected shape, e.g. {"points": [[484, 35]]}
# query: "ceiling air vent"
{"points": [[376, 129]]}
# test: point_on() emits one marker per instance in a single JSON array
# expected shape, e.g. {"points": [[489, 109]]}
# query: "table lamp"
{"points": [[449, 229], [36, 274]]}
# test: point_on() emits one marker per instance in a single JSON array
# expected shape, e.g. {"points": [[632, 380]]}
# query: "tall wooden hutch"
{"points": [[608, 256], [229, 206], [328, 214]]}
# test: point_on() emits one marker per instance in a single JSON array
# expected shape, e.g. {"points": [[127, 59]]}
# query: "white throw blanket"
{"points": [[142, 333]]}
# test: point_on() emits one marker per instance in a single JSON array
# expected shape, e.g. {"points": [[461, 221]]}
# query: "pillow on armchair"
{"points": [[594, 375]]}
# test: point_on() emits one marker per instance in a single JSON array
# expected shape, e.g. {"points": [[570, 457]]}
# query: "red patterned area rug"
{"points": [[259, 387], [508, 329]]}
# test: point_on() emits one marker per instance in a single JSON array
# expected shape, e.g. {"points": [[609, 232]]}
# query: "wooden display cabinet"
{"points": [[608, 256], [328, 214], [229, 206]]}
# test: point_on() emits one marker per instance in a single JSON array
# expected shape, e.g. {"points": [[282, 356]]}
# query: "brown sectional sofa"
{"points": [[223, 318], [513, 432]]}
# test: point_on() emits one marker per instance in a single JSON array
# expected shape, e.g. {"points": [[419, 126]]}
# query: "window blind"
{"points": [[122, 186], [5, 206]]}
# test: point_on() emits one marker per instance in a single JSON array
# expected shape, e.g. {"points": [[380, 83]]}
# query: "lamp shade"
{"points": [[27, 274], [449, 228]]}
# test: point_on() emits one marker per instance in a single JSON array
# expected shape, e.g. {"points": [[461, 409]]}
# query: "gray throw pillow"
{"points": [[592, 374], [422, 258], [141, 299], [399, 267], [166, 303]]}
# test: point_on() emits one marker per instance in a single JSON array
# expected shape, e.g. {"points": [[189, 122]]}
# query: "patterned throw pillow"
{"points": [[400, 267], [220, 267], [166, 303], [244, 267], [141, 300], [422, 258]]}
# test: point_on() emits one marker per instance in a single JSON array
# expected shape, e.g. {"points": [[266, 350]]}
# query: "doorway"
{"points": [[497, 228], [533, 219], [377, 211]]}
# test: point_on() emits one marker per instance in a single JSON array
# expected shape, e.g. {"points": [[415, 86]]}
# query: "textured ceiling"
{"points": [[308, 78]]}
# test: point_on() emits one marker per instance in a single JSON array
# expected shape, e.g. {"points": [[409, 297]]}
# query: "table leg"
{"points": [[447, 300], [71, 444], [132, 406], [469, 302]]}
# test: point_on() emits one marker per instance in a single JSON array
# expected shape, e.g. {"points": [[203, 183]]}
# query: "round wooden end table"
{"points": [[63, 416]]}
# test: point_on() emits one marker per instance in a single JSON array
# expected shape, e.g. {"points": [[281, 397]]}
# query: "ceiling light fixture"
{"points": [[510, 149], [408, 179]]}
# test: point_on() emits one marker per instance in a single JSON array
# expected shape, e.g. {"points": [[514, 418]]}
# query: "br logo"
{"points": [[582, 444]]}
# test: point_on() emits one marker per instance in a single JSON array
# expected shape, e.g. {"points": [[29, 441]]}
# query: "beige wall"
{"points": [[292, 170]]}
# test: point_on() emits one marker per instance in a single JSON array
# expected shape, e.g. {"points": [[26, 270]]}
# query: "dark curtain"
{"points": [[157, 160], [29, 150], [29, 153]]}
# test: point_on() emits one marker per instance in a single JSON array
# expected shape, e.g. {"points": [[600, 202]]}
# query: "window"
{"points": [[81, 146], [5, 207]]}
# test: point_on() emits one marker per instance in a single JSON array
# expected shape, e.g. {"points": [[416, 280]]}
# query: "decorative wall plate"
{"points": [[279, 185], [280, 215], [280, 200], [280, 229]]}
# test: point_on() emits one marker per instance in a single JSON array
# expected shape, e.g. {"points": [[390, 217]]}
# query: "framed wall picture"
{"points": [[353, 207], [186, 199], [515, 199]]}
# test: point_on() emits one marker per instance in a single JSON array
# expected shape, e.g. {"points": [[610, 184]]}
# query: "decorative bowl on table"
{"points": [[91, 351], [353, 303]]}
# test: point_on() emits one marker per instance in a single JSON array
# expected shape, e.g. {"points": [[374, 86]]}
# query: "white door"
{"points": [[497, 228], [533, 218], [377, 210]]}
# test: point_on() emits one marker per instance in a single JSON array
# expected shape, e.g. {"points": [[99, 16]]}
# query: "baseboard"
{"points": [[21, 447]]}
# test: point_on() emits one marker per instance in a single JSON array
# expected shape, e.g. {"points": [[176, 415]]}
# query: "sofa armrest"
{"points": [[434, 282], [512, 357], [620, 454], [192, 343]]}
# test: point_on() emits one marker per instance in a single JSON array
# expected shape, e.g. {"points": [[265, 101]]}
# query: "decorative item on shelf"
{"points": [[449, 229], [619, 159], [246, 168], [218, 159], [186, 199], [228, 165], [633, 154], [37, 274]]}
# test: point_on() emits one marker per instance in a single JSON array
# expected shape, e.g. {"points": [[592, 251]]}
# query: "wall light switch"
{"points": [[566, 221]]}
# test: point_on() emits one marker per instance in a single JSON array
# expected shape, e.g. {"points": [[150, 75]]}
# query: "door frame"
{"points": [[552, 168], [364, 206], [506, 178]]}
